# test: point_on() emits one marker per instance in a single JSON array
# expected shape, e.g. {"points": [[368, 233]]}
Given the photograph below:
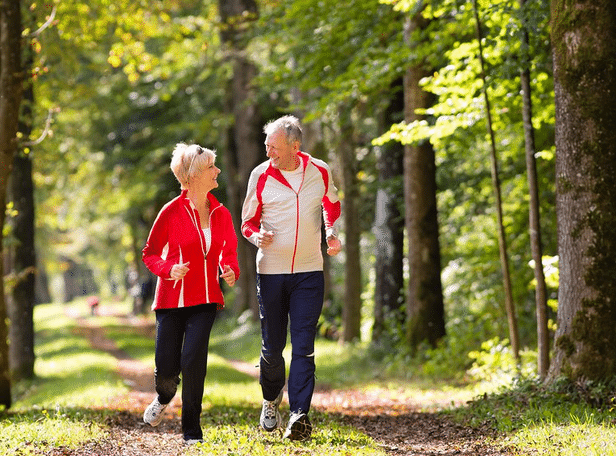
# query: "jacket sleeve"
{"points": [[156, 244], [228, 255], [331, 205], [251, 210]]}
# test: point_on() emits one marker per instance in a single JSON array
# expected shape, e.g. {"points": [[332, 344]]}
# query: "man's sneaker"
{"points": [[153, 415], [299, 427], [270, 416]]}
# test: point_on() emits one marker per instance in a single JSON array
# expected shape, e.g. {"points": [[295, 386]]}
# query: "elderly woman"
{"points": [[191, 245]]}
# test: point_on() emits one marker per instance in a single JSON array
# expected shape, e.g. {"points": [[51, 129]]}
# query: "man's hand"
{"points": [[333, 246], [265, 239]]}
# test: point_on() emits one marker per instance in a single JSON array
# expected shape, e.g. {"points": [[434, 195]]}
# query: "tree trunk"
{"points": [[424, 306], [22, 264], [10, 98], [502, 239], [351, 311], [583, 40], [22, 268], [389, 227], [543, 338], [245, 149]]}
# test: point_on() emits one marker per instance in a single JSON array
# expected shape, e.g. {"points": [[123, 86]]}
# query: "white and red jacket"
{"points": [[294, 217], [177, 237]]}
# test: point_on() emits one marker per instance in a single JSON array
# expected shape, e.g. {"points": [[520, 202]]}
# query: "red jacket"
{"points": [[177, 237]]}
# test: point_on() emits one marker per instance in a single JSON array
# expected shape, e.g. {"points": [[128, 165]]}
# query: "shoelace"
{"points": [[270, 410], [158, 408]]}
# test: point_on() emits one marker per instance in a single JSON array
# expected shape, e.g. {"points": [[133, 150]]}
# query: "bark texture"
{"points": [[424, 307], [389, 227], [245, 139], [10, 98], [583, 40]]}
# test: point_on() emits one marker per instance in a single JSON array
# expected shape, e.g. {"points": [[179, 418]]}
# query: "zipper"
{"points": [[296, 231], [193, 213], [297, 216]]}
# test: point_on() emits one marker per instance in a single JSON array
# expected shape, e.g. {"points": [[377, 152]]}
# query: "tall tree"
{"points": [[245, 139], [583, 40], [543, 343], [21, 264], [502, 239], [424, 301], [11, 77], [389, 225], [351, 310]]}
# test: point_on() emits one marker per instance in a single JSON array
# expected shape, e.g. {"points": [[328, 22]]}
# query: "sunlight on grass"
{"points": [[29, 434], [226, 386], [567, 440], [246, 439], [69, 372]]}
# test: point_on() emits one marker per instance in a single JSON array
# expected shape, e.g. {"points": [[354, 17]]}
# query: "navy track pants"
{"points": [[294, 300]]}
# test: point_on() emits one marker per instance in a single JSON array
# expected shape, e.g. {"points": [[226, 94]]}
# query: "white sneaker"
{"points": [[193, 441], [299, 427], [153, 415], [270, 415]]}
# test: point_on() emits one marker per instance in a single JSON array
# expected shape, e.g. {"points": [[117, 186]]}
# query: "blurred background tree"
{"points": [[126, 81]]}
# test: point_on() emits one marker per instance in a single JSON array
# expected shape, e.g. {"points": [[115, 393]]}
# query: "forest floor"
{"points": [[398, 427]]}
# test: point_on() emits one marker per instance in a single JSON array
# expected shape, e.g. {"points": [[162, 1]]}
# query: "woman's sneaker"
{"points": [[270, 415], [299, 427], [191, 442], [153, 415]]}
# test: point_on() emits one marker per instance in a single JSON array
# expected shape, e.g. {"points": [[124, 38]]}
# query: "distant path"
{"points": [[398, 426]]}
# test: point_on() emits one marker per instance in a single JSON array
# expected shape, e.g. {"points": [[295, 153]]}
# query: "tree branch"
{"points": [[47, 23], [45, 133]]}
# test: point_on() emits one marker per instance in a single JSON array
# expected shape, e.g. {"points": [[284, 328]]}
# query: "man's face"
{"points": [[282, 156]]}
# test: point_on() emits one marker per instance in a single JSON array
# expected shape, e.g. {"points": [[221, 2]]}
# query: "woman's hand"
{"points": [[228, 275], [178, 271]]}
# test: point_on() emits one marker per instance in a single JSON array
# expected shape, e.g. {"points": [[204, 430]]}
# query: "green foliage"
{"points": [[495, 363], [336, 54], [122, 106], [126, 81]]}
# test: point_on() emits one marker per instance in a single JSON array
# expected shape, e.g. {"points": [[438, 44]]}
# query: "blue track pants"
{"points": [[295, 300]]}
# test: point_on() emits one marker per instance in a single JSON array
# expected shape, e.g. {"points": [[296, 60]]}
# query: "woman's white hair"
{"points": [[188, 160]]}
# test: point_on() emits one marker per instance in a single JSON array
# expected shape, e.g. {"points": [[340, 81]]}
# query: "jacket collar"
{"points": [[276, 174], [214, 203]]}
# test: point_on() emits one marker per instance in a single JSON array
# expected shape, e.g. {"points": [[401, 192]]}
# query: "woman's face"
{"points": [[207, 178]]}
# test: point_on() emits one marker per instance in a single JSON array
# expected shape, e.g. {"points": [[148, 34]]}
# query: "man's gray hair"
{"points": [[289, 124]]}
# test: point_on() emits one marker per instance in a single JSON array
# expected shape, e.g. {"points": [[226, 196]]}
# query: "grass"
{"points": [[589, 439], [65, 404], [556, 420], [27, 432], [68, 370]]}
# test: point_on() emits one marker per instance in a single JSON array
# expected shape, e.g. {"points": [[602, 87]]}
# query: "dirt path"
{"points": [[398, 426]]}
